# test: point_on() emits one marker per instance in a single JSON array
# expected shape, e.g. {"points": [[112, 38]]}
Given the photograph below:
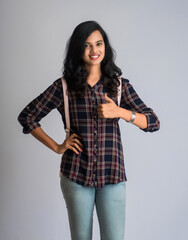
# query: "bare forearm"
{"points": [[140, 120], [72, 142], [40, 135]]}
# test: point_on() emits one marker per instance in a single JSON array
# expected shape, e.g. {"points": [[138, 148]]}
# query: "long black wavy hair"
{"points": [[74, 70]]}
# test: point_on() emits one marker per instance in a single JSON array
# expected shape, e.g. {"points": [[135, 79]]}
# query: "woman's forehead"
{"points": [[95, 36]]}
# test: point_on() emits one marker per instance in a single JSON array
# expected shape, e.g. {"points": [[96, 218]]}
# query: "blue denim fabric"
{"points": [[110, 207]]}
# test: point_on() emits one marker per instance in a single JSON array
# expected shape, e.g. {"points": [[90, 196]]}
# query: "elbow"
{"points": [[19, 119], [27, 123], [153, 123], [22, 122], [155, 127]]}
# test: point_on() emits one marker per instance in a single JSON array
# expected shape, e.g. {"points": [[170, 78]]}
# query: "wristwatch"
{"points": [[133, 116]]}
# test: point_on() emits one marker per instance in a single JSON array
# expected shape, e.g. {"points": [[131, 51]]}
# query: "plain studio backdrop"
{"points": [[150, 38]]}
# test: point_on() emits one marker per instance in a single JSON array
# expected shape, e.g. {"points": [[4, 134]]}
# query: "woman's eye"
{"points": [[89, 45]]}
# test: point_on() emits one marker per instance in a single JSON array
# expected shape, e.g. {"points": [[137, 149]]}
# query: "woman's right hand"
{"points": [[72, 142]]}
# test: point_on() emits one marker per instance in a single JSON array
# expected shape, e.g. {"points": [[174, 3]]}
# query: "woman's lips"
{"points": [[94, 57]]}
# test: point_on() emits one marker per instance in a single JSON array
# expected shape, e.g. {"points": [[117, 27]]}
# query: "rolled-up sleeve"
{"points": [[131, 101], [38, 108]]}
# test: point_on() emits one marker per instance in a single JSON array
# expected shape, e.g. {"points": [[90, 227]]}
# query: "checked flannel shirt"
{"points": [[102, 159]]}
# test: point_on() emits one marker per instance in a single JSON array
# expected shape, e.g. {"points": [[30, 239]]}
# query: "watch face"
{"points": [[133, 117]]}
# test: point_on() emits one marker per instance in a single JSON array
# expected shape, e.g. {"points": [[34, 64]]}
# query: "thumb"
{"points": [[109, 100]]}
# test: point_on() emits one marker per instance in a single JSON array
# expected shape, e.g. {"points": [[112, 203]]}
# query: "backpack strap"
{"points": [[66, 106], [119, 91]]}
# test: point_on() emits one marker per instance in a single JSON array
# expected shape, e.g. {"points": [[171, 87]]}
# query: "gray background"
{"points": [[150, 38]]}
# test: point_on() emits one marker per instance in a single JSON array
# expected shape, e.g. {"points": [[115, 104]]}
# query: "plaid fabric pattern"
{"points": [[102, 159]]}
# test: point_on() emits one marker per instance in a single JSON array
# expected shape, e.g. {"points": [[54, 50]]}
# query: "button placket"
{"points": [[95, 118]]}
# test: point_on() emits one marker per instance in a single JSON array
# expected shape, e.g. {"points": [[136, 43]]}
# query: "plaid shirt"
{"points": [[102, 160]]}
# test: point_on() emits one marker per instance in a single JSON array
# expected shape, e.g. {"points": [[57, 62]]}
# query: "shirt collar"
{"points": [[96, 84]]}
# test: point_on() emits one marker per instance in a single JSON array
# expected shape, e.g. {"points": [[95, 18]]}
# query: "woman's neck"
{"points": [[94, 72]]}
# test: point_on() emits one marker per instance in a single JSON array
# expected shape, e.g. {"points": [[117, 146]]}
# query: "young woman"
{"points": [[92, 165]]}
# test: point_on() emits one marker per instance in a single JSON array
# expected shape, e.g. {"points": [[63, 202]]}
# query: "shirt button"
{"points": [[93, 175], [94, 159], [95, 145], [95, 132]]}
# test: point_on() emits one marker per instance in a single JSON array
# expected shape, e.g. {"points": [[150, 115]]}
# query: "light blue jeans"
{"points": [[110, 208]]}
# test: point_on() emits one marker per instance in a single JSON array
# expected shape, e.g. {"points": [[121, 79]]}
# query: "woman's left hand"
{"points": [[109, 109]]}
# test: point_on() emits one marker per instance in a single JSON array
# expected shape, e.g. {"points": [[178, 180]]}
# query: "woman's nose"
{"points": [[93, 49]]}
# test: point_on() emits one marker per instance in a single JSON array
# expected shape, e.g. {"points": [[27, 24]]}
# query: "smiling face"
{"points": [[94, 49]]}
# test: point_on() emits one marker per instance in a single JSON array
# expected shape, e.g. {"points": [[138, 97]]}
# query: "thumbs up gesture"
{"points": [[109, 109]]}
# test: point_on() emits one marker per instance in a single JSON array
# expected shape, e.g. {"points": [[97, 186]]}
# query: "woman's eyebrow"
{"points": [[96, 41]]}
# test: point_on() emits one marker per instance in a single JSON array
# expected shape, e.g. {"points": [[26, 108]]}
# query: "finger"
{"points": [[77, 136], [75, 145], [100, 114], [77, 141], [107, 98], [74, 135], [71, 136], [100, 111], [100, 106], [74, 149]]}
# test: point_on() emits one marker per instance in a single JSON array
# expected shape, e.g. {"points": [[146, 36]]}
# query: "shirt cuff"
{"points": [[153, 123], [27, 129]]}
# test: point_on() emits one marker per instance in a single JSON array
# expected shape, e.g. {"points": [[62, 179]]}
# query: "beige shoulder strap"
{"points": [[119, 91], [66, 107]]}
